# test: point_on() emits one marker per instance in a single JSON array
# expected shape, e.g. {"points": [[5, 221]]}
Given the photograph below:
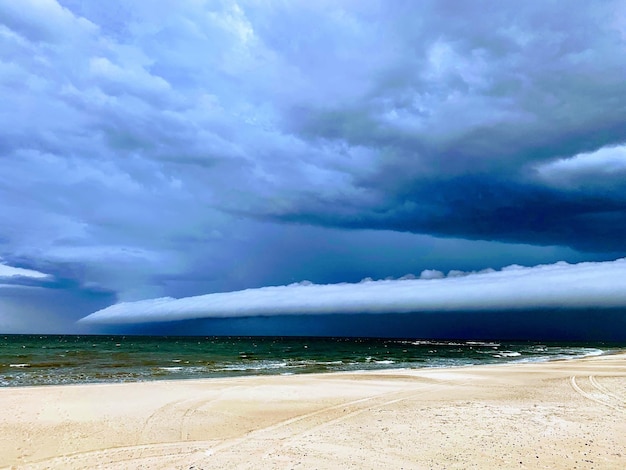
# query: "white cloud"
{"points": [[431, 274], [126, 79], [590, 168], [43, 20], [560, 285], [7, 271]]}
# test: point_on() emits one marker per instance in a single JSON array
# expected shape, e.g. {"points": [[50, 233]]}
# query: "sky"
{"points": [[183, 150]]}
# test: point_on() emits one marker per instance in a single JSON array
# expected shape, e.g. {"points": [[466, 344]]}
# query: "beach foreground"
{"points": [[563, 414]]}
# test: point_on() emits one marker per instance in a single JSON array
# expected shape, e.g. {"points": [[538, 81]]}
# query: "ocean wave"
{"points": [[158, 358], [508, 354], [257, 367]]}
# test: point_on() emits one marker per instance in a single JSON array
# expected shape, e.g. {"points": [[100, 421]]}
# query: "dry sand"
{"points": [[566, 414]]}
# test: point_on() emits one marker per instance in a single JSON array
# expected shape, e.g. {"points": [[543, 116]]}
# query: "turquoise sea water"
{"points": [[50, 360]]}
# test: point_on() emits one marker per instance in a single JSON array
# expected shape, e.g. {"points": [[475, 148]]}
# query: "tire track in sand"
{"points": [[277, 433], [168, 414], [598, 393], [292, 429], [281, 443], [174, 414], [115, 457]]}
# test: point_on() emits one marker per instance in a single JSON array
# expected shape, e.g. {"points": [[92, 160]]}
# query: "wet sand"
{"points": [[564, 414]]}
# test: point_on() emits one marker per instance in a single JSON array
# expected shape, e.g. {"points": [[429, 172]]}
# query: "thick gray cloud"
{"points": [[175, 148]]}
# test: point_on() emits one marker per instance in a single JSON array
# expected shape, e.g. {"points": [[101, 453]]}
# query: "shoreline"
{"points": [[562, 413], [594, 351]]}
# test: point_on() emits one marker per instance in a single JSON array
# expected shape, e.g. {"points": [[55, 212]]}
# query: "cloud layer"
{"points": [[175, 148], [561, 286]]}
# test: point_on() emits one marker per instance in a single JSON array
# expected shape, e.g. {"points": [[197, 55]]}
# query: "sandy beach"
{"points": [[563, 414]]}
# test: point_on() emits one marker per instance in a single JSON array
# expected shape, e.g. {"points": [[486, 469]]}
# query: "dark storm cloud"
{"points": [[32, 301], [48, 309], [159, 148], [464, 123], [484, 207]]}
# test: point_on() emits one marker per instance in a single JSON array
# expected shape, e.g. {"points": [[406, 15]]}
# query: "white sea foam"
{"points": [[510, 354], [254, 366]]}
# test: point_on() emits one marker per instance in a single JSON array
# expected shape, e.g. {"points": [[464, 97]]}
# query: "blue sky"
{"points": [[173, 149]]}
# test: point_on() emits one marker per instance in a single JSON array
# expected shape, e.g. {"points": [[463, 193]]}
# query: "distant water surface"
{"points": [[51, 360]]}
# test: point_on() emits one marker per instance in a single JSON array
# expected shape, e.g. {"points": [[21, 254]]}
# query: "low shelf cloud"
{"points": [[560, 285]]}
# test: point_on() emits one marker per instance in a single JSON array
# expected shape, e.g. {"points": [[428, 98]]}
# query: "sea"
{"points": [[39, 360]]}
